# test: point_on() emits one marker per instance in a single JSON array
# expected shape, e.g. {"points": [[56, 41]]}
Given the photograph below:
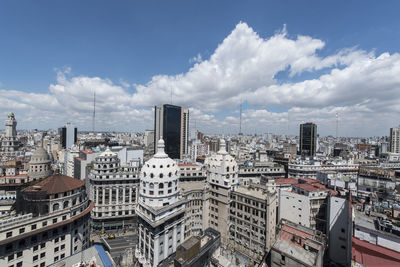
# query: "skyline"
{"points": [[265, 56]]}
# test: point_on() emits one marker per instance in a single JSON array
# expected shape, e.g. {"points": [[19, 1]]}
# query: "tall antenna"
{"points": [[94, 110], [240, 122], [171, 96], [337, 124]]}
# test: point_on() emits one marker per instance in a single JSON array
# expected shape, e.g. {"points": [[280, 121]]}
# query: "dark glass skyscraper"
{"points": [[172, 124], [308, 139]]}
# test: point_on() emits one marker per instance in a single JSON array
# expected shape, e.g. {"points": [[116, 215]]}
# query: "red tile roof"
{"points": [[288, 232], [15, 176], [286, 181], [373, 255], [310, 187], [55, 184], [187, 165], [309, 180]]}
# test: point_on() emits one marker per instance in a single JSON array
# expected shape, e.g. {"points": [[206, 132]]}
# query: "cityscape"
{"points": [[185, 134]]}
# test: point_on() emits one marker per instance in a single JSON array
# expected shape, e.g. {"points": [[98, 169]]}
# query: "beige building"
{"points": [[253, 220], [222, 178], [52, 222]]}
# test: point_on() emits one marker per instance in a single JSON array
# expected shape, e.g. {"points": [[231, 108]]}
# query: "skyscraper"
{"points": [[68, 135], [308, 139], [171, 123], [10, 144], [395, 140]]}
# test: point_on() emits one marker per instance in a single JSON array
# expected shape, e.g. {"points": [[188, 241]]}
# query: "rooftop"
{"points": [[55, 184], [286, 181], [373, 255]]}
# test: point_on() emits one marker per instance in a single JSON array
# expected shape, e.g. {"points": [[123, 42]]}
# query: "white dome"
{"points": [[159, 179], [108, 153]]}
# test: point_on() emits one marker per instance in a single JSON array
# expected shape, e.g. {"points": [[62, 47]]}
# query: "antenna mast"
{"points": [[94, 110], [240, 122], [337, 124]]}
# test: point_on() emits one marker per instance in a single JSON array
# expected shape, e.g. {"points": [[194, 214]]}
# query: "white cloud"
{"points": [[360, 85]]}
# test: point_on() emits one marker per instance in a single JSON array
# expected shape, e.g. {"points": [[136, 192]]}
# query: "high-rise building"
{"points": [[160, 210], [395, 140], [68, 135], [222, 178], [308, 139], [171, 123]]}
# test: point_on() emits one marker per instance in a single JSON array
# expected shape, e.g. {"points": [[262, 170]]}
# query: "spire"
{"points": [[160, 149], [222, 145]]}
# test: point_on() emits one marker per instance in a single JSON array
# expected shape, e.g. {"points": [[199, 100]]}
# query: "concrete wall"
{"points": [[294, 207]]}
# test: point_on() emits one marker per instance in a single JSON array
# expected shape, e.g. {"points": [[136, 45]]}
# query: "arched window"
{"points": [[161, 175], [56, 207], [161, 186], [151, 185], [227, 169], [151, 175], [170, 174]]}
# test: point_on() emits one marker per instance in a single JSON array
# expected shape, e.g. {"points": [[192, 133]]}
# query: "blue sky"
{"points": [[52, 51]]}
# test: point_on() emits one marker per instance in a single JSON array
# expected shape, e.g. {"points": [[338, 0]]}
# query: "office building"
{"points": [[394, 140], [160, 210], [68, 135], [253, 220], [308, 139], [171, 123], [113, 188]]}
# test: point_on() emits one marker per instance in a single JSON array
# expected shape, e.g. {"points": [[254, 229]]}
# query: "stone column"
{"points": [[174, 238]]}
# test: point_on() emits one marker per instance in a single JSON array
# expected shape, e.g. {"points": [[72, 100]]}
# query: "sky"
{"points": [[283, 62]]}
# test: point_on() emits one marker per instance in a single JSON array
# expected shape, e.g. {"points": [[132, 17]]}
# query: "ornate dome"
{"points": [[159, 179], [222, 167], [40, 156]]}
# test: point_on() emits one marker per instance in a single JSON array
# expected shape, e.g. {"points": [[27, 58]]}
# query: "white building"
{"points": [[394, 140], [9, 143], [160, 209], [113, 188], [222, 178]]}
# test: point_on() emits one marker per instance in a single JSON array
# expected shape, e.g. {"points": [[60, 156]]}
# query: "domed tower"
{"points": [[39, 165], [160, 210], [222, 178], [10, 144]]}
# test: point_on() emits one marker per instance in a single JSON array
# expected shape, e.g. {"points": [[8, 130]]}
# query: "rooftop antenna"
{"points": [[337, 124], [171, 95], [240, 121], [94, 110]]}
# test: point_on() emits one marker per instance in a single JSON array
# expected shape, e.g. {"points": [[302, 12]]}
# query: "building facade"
{"points": [[308, 139], [222, 178], [253, 220], [160, 210], [394, 140], [113, 188], [52, 222], [10, 146], [171, 123]]}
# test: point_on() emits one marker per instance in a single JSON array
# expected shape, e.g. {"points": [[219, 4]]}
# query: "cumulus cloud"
{"points": [[266, 72]]}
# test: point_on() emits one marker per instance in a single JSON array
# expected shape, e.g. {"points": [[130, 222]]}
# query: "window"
{"points": [[43, 245], [21, 230], [42, 255], [35, 248], [35, 258], [33, 226], [342, 230], [44, 223], [9, 234], [43, 264], [19, 264], [11, 257], [19, 254], [62, 256], [56, 258], [55, 220], [62, 247]]}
